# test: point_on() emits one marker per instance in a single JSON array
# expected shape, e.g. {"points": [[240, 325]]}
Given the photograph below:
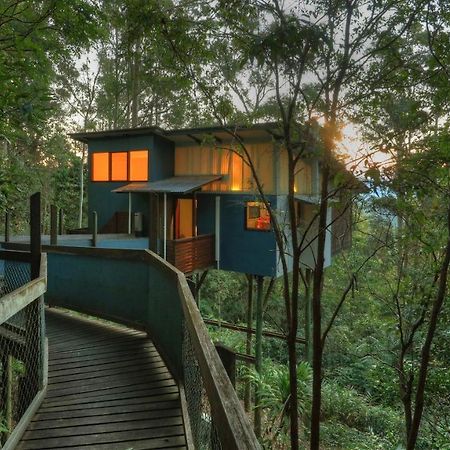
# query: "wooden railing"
{"points": [[157, 298], [23, 347], [190, 254]]}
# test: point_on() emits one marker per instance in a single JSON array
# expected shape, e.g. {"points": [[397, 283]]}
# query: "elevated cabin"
{"points": [[196, 200]]}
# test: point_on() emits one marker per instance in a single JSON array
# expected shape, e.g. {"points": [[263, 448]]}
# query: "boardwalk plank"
{"points": [[108, 389]]}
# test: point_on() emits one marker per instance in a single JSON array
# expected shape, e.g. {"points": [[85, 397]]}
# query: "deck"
{"points": [[108, 388]]}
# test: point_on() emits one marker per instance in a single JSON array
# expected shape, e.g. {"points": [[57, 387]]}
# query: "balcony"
{"points": [[190, 254]]}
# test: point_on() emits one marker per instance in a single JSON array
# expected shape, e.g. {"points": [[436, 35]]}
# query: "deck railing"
{"points": [[189, 254], [23, 355], [138, 288]]}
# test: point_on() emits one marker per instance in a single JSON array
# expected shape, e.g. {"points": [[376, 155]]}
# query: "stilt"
{"points": [[248, 349], [308, 316], [258, 350]]}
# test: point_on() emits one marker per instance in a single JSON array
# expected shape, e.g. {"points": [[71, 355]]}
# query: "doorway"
{"points": [[185, 218]]}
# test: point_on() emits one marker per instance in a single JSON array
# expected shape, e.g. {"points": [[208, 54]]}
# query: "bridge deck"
{"points": [[108, 389]]}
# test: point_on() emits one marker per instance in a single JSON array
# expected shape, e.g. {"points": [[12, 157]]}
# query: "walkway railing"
{"points": [[138, 288], [23, 360]]}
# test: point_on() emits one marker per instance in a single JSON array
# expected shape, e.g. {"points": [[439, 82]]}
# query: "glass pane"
{"points": [[258, 217], [119, 166], [100, 166], [139, 165]]}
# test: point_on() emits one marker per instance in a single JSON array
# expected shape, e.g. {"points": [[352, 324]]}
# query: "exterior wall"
{"points": [[237, 177], [307, 214], [306, 182], [241, 250], [100, 197]]}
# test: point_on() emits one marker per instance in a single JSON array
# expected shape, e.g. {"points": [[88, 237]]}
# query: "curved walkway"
{"points": [[108, 389]]}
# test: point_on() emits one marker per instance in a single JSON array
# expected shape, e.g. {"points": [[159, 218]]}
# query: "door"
{"points": [[185, 218]]}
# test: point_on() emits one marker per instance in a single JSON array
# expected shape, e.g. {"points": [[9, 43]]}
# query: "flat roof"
{"points": [[174, 185], [189, 135]]}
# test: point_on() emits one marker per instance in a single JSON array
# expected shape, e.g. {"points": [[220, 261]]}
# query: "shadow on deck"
{"points": [[108, 388]]}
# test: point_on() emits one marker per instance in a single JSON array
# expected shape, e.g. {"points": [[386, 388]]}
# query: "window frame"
{"points": [[246, 227], [110, 158]]}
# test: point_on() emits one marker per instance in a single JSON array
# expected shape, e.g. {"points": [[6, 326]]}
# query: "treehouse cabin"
{"points": [[196, 201]]}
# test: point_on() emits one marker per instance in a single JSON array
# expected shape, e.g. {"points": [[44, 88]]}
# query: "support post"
{"points": [[248, 348], [32, 311], [61, 222], [228, 358], [129, 212], [7, 226], [258, 350], [35, 234], [53, 225], [94, 229], [165, 227], [217, 232]]}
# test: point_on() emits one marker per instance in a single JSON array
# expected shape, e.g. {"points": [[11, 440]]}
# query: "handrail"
{"points": [[25, 301], [231, 424]]}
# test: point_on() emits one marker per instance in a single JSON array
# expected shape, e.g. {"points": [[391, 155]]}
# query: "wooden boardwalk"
{"points": [[108, 390]]}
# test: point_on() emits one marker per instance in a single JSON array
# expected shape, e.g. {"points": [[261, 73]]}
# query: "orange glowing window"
{"points": [[119, 166], [100, 167], [138, 165], [257, 217]]}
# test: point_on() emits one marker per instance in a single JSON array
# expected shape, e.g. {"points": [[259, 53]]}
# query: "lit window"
{"points": [[119, 166], [138, 165], [100, 167], [257, 216]]}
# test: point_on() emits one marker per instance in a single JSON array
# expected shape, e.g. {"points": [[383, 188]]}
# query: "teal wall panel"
{"points": [[140, 293], [105, 202], [241, 250]]}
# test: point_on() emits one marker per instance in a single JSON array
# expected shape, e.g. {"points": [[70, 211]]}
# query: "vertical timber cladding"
{"points": [[106, 203]]}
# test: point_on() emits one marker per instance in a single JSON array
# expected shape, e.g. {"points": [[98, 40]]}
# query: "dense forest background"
{"points": [[381, 66]]}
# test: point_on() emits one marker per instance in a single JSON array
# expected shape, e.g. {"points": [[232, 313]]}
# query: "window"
{"points": [[139, 165], [120, 166], [257, 217], [100, 166]]}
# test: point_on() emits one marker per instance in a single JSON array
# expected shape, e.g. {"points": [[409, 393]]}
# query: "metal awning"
{"points": [[173, 185]]}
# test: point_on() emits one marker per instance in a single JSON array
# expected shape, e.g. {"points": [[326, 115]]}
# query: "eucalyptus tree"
{"points": [[311, 56], [140, 82], [34, 38], [408, 120]]}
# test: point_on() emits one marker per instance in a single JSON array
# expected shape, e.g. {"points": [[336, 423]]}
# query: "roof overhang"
{"points": [[174, 185], [215, 134]]}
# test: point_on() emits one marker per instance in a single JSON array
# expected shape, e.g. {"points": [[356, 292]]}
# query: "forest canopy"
{"points": [[373, 370]]}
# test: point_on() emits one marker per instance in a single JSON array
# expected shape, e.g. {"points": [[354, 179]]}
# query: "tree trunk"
{"points": [[316, 315], [426, 349], [258, 351], [247, 392]]}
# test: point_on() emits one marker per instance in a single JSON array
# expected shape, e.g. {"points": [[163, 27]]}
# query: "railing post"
{"points": [[34, 311], [94, 229], [7, 226], [61, 222], [35, 234], [53, 225], [228, 358]]}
